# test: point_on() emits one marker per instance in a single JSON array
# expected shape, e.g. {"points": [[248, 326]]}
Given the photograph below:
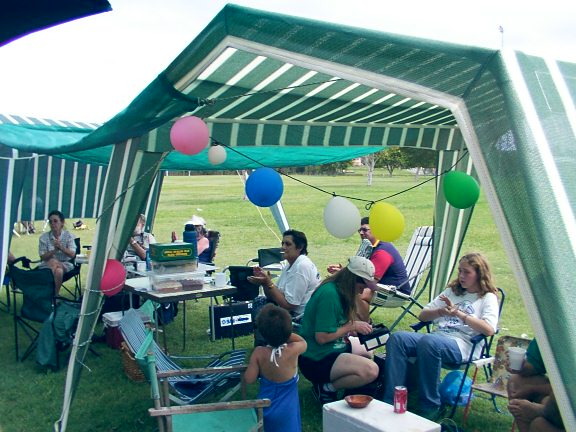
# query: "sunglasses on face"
{"points": [[363, 230]]}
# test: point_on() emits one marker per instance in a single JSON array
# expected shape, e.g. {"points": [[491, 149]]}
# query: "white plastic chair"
{"points": [[417, 261]]}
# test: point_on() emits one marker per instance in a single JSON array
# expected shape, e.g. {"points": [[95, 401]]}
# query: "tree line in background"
{"points": [[391, 159]]}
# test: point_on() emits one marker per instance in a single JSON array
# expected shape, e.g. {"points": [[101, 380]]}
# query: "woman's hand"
{"points": [[56, 243], [260, 277], [449, 309], [333, 268], [446, 300], [360, 327]]}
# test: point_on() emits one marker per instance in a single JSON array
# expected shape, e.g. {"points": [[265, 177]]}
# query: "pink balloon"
{"points": [[189, 135], [113, 278]]}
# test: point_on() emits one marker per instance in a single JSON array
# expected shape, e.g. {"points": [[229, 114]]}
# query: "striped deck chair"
{"points": [[189, 386], [417, 261], [243, 415]]}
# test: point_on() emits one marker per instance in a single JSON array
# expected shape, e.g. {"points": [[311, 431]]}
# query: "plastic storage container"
{"points": [[173, 267], [189, 281]]}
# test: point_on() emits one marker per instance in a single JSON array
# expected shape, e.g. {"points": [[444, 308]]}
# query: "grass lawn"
{"points": [[107, 401]]}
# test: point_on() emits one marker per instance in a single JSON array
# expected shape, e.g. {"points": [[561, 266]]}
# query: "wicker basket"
{"points": [[130, 365]]}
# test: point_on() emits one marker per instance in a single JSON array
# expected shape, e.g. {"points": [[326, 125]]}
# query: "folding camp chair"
{"points": [[267, 257], [245, 415], [40, 306], [495, 372], [6, 284], [213, 240], [417, 260], [186, 387], [485, 341], [245, 290]]}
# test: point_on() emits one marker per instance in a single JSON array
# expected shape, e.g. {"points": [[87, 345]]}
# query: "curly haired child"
{"points": [[276, 367]]}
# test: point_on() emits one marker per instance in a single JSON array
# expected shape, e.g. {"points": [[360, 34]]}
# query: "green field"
{"points": [[107, 401]]}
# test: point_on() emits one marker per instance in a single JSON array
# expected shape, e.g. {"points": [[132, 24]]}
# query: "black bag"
{"points": [[231, 320], [166, 312], [245, 290]]}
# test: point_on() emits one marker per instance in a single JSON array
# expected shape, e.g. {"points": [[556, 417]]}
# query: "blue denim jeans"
{"points": [[430, 350]]}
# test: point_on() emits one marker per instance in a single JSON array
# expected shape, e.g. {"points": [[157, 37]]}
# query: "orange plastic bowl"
{"points": [[358, 401]]}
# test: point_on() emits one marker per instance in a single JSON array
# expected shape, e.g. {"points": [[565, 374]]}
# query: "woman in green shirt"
{"points": [[329, 318]]}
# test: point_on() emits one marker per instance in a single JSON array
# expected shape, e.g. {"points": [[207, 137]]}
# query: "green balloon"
{"points": [[460, 189]]}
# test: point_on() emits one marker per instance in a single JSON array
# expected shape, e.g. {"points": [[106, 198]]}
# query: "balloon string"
{"points": [[369, 203], [464, 153]]}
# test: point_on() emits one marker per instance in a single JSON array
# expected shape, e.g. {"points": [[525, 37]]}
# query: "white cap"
{"points": [[196, 220], [364, 268]]}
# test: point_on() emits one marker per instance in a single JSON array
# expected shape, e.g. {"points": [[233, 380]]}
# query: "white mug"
{"points": [[219, 280]]}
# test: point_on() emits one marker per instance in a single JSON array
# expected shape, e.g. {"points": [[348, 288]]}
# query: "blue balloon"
{"points": [[264, 187]]}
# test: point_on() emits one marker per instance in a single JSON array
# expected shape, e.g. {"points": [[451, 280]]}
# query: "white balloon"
{"points": [[217, 155], [341, 217]]}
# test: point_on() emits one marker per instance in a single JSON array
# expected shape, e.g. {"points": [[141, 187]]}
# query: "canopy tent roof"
{"points": [[280, 88], [272, 99]]}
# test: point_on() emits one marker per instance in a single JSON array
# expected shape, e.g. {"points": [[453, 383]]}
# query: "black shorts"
{"points": [[318, 371]]}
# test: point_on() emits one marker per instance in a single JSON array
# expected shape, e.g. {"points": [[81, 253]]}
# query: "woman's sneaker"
{"points": [[322, 395]]}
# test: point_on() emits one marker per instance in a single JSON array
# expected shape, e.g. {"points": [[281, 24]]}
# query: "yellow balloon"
{"points": [[386, 222]]}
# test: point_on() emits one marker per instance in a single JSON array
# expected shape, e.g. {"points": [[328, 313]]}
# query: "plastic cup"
{"points": [[219, 280], [516, 357]]}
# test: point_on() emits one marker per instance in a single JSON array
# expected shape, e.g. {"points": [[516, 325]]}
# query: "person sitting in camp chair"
{"points": [[389, 265], [57, 248], [276, 367], [466, 308], [532, 402], [139, 242]]}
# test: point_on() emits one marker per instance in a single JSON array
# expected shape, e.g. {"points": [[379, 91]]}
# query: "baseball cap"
{"points": [[364, 268]]}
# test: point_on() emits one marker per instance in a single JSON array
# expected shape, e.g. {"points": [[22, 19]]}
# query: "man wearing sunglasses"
{"points": [[389, 265]]}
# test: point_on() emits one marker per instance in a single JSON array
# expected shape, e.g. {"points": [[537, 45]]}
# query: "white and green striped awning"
{"points": [[285, 91]]}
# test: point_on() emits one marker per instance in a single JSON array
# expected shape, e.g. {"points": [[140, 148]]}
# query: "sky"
{"points": [[92, 68]]}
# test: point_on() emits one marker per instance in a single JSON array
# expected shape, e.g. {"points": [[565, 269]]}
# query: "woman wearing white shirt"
{"points": [[468, 307], [298, 280]]}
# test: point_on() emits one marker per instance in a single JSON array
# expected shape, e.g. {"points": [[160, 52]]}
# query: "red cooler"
{"points": [[111, 321]]}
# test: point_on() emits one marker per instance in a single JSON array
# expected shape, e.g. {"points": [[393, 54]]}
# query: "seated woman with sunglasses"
{"points": [[57, 248], [389, 265]]}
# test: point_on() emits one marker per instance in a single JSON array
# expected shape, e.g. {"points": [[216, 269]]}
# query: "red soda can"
{"points": [[400, 399]]}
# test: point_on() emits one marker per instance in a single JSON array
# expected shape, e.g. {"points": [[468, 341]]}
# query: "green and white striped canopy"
{"points": [[286, 91]]}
